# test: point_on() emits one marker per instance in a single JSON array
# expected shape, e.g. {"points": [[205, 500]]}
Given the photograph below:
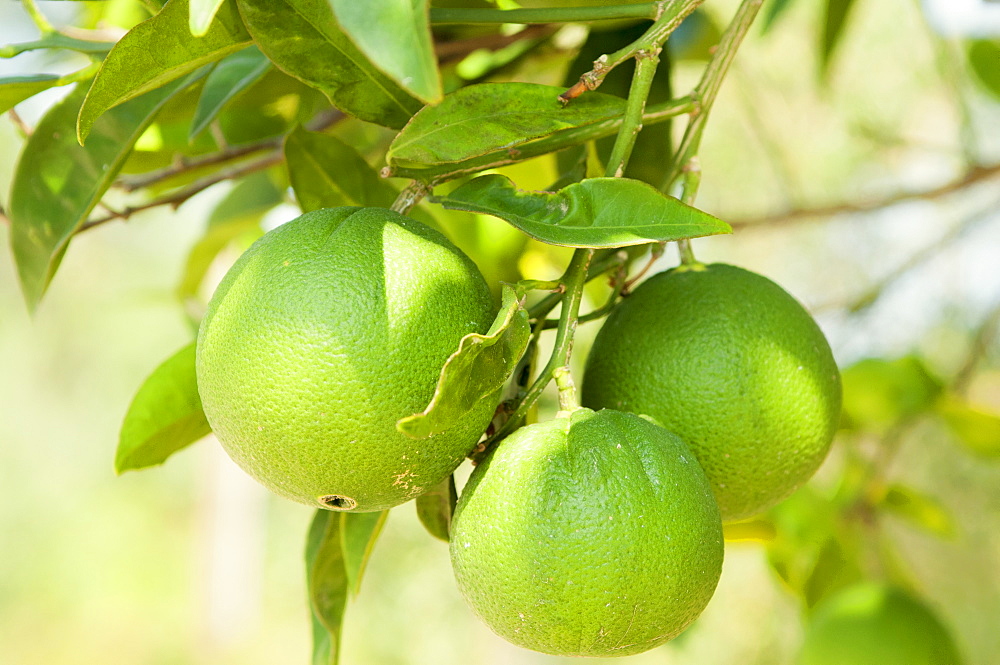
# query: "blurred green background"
{"points": [[193, 563]]}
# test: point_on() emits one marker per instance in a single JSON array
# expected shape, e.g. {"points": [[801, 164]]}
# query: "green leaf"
{"points": [[977, 429], [772, 12], [58, 182], [879, 393], [156, 52], [436, 507], [984, 60], [918, 509], [16, 89], [201, 14], [478, 369], [836, 566], [833, 28], [230, 77], [165, 415], [481, 119], [395, 36], [359, 531], [302, 38], [239, 213], [57, 40], [326, 173], [326, 578], [597, 212]]}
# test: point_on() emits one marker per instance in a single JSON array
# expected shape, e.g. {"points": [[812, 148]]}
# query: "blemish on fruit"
{"points": [[338, 502]]}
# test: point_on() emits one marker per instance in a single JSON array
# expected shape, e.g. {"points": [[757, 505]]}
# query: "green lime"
{"points": [[594, 534], [732, 364], [324, 333], [876, 624]]}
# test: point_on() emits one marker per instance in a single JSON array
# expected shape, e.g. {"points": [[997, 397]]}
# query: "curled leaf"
{"points": [[435, 508], [478, 369]]}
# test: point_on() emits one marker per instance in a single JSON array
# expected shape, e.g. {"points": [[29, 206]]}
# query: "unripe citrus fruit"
{"points": [[732, 364], [324, 333], [594, 534], [876, 624]]}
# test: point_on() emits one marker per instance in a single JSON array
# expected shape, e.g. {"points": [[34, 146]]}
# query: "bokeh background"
{"points": [[842, 186]]}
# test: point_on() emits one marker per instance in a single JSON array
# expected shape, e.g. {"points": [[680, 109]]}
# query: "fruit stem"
{"points": [[568, 403], [686, 253]]}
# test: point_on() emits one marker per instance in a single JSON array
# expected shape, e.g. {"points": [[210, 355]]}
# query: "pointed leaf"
{"points": [[230, 77], [395, 35], [878, 393], [772, 12], [598, 212], [201, 14], [326, 579], [16, 89], [58, 182], [302, 38], [481, 119], [833, 28], [977, 429], [478, 369], [436, 507], [358, 532], [326, 173], [165, 415], [156, 52], [918, 509]]}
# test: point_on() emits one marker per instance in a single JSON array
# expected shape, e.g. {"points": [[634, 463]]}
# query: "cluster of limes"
{"points": [[711, 395]]}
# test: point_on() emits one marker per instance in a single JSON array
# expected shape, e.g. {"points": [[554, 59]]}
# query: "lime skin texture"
{"points": [[734, 365], [593, 534], [872, 623], [325, 333]]}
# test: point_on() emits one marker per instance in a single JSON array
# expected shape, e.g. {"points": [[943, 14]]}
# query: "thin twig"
{"points": [[19, 123], [973, 176], [458, 49], [985, 336]]}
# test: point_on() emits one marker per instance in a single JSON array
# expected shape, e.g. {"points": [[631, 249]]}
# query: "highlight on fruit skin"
{"points": [[328, 330], [593, 534], [734, 365], [873, 623]]}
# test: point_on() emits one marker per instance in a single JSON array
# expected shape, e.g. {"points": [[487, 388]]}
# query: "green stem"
{"points": [[673, 13], [409, 196], [573, 279], [568, 401], [558, 141], [707, 89], [545, 15], [602, 311], [642, 81], [600, 265], [38, 17]]}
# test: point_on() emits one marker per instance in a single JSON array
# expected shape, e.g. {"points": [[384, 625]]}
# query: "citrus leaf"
{"points": [[326, 173], [358, 532], [239, 212], [58, 182], [57, 40], [201, 14], [230, 77], [484, 118], [155, 52], [395, 35], [165, 415], [16, 89], [833, 28], [597, 212], [984, 60], [977, 429], [436, 507], [879, 393], [918, 509], [478, 369], [326, 578], [757, 530], [302, 38], [837, 566], [774, 10]]}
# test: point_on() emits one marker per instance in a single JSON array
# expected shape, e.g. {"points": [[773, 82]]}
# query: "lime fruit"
{"points": [[876, 624], [732, 364], [593, 534], [328, 330]]}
